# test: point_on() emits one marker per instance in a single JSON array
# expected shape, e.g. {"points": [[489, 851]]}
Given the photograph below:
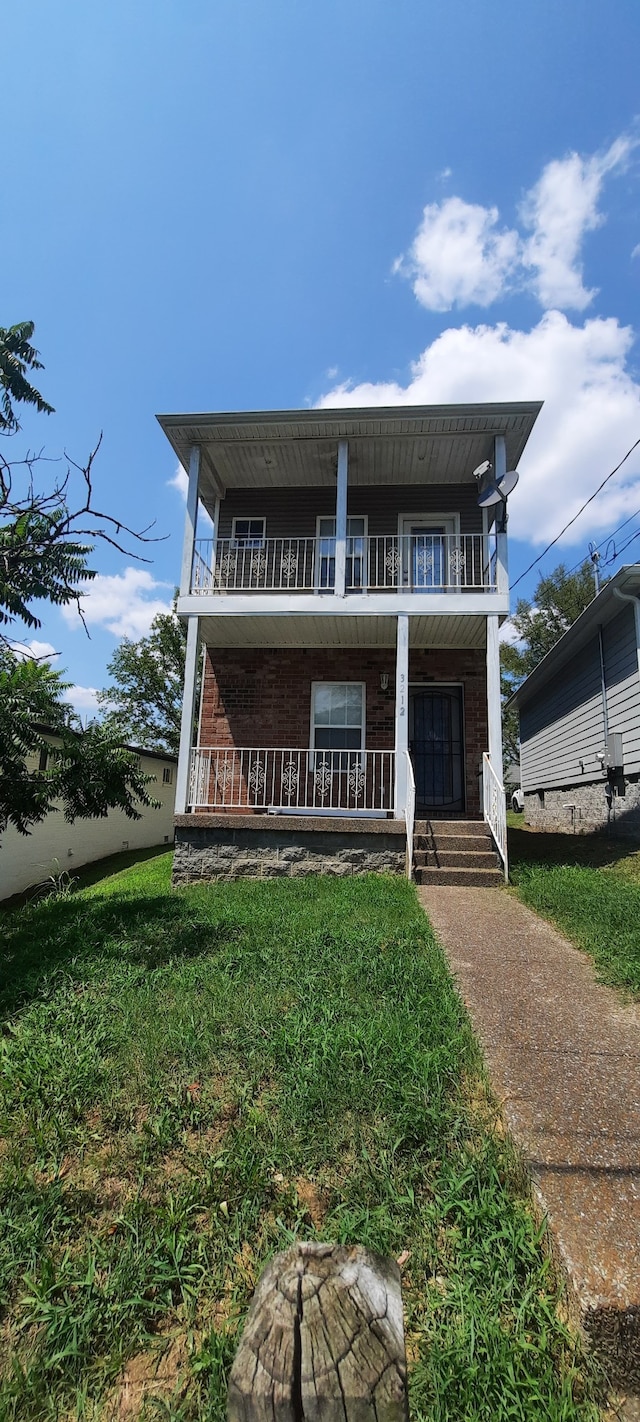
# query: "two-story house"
{"points": [[342, 670]]}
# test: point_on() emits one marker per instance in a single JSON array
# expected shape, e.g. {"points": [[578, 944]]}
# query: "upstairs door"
{"points": [[436, 748], [426, 545]]}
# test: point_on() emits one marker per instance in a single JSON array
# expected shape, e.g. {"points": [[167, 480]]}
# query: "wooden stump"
{"points": [[323, 1340]]}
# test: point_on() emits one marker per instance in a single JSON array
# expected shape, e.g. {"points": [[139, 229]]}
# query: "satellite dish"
{"points": [[490, 495], [507, 483]]}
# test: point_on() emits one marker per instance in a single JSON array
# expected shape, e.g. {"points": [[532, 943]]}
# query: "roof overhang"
{"points": [[323, 630], [603, 608], [402, 444]]}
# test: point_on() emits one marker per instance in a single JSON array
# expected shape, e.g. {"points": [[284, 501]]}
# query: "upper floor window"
{"points": [[248, 532], [167, 775]]}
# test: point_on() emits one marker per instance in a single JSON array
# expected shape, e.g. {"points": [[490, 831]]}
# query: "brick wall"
{"points": [[263, 698]]}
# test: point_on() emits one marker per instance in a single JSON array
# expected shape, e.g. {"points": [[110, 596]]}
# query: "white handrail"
{"points": [[495, 810], [291, 780], [410, 814], [419, 563]]}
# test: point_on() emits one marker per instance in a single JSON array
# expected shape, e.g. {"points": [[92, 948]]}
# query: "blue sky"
{"points": [[248, 204]]}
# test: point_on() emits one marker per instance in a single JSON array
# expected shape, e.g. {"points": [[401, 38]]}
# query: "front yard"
{"points": [[589, 885], [189, 1081]]}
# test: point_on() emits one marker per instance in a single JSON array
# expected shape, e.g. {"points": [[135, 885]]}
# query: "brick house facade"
{"points": [[342, 633]]}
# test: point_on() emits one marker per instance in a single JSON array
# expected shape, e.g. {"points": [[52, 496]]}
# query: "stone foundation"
{"points": [[584, 809], [214, 847]]}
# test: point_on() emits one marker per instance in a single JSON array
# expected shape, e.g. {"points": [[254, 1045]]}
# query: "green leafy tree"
{"points": [[17, 356], [557, 602], [144, 702], [46, 538], [85, 773]]}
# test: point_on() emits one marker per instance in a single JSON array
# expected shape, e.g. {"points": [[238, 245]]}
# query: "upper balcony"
{"points": [[421, 563], [356, 513]]}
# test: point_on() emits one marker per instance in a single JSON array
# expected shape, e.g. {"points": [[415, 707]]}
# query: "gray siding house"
{"points": [[580, 719]]}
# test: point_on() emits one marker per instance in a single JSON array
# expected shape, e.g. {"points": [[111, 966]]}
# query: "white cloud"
{"points": [[559, 210], [125, 603], [458, 256], [509, 635], [82, 698], [39, 650], [180, 481], [591, 414], [636, 251]]}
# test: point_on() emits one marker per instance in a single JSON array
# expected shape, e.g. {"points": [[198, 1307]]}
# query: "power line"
{"points": [[576, 516], [625, 545], [607, 539]]}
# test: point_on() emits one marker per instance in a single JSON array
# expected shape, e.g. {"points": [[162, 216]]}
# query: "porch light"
{"points": [[384, 681]]}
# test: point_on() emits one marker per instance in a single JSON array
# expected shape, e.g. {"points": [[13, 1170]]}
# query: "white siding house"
{"points": [[54, 847]]}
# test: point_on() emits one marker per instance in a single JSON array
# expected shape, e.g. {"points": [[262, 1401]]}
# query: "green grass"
{"points": [[189, 1082], [589, 885]]}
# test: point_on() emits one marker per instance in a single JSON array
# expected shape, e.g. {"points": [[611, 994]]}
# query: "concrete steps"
{"points": [[456, 852]]}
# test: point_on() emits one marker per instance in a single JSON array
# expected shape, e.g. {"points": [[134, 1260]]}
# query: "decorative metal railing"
{"points": [[495, 810], [292, 780], [410, 814], [418, 562]]}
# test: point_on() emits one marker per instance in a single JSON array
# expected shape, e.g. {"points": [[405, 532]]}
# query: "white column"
{"points": [[341, 518], [402, 714], [499, 469], [494, 704], [191, 518], [188, 714]]}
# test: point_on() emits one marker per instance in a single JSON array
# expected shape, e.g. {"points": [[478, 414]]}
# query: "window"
{"points": [[356, 534], [167, 775], [337, 721], [248, 532]]}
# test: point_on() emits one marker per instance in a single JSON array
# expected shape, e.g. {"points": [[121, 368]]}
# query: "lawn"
{"points": [[192, 1080], [589, 885]]}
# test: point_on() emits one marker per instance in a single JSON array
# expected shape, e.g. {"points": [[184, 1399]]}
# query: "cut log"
{"points": [[323, 1340]]}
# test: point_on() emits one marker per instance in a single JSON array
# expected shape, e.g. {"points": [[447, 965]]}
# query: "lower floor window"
{"points": [[337, 719]]}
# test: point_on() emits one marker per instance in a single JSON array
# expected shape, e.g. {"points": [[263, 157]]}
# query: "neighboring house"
{"points": [[580, 719], [348, 602], [54, 848]]}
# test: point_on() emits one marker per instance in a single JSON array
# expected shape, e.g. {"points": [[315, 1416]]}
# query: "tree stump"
{"points": [[323, 1340]]}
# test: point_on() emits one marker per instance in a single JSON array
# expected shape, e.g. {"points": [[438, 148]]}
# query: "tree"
{"points": [[45, 541], [145, 701], [17, 356], [558, 600], [89, 772]]}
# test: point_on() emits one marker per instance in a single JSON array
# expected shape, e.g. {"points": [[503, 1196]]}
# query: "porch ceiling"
{"points": [[439, 444], [326, 631]]}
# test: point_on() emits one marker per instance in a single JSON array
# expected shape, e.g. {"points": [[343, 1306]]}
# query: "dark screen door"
{"points": [[435, 743]]}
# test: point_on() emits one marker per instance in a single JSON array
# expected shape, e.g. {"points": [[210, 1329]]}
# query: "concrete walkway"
{"points": [[563, 1055]]}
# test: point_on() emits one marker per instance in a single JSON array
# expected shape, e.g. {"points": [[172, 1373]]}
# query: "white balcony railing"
{"points": [[419, 563], [495, 810], [291, 780]]}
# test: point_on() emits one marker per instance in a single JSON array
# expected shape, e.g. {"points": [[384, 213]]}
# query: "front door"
{"points": [[436, 747]]}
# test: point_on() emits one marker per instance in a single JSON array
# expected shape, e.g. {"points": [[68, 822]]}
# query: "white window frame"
{"points": [[312, 729], [248, 518], [451, 523], [320, 518]]}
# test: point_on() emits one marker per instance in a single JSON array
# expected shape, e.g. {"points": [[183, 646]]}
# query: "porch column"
{"points": [[188, 713], [499, 469], [402, 715], [494, 705], [190, 522], [341, 518]]}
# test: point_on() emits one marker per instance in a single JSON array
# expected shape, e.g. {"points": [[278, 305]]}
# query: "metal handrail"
{"points": [[417, 563], [495, 810], [410, 814], [291, 779]]}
